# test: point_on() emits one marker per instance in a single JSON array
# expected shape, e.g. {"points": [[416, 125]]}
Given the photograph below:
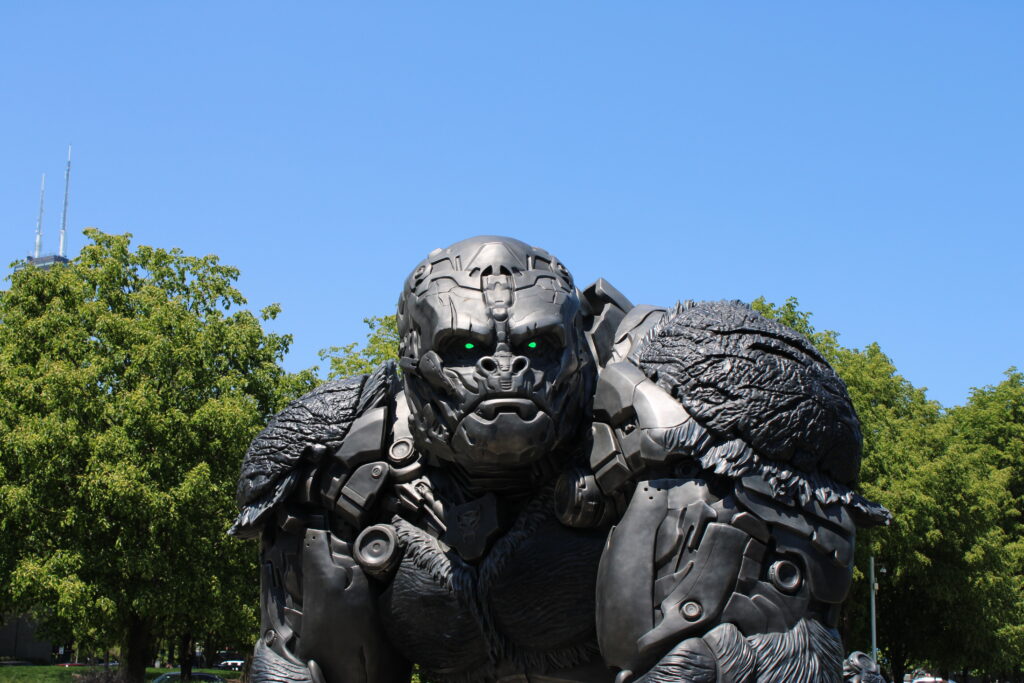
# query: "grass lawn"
{"points": [[62, 674]]}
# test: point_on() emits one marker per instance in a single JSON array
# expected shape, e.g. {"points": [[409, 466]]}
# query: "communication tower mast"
{"points": [[64, 213], [38, 258], [39, 221]]}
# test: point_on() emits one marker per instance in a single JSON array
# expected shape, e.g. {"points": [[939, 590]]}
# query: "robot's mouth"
{"points": [[524, 408], [503, 432]]}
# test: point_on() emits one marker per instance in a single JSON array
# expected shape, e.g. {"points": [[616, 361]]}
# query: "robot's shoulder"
{"points": [[717, 385], [612, 323], [339, 425]]}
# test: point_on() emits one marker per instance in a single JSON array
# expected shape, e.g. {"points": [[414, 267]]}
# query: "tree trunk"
{"points": [[136, 651], [899, 668], [185, 656]]}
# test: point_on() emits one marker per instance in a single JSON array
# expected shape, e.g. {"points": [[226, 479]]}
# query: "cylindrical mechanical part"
{"points": [[402, 452], [406, 463], [691, 610], [785, 576], [377, 551], [579, 502]]}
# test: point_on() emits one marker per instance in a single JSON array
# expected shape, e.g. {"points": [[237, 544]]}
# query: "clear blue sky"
{"points": [[867, 158]]}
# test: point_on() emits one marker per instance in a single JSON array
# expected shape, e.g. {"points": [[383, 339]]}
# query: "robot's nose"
{"points": [[503, 368]]}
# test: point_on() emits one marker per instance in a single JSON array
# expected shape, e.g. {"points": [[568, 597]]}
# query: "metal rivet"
{"points": [[269, 637], [377, 471], [692, 610], [421, 272], [401, 452]]}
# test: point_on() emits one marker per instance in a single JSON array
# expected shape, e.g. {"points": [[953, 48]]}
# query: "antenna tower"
{"points": [[64, 213], [39, 221]]}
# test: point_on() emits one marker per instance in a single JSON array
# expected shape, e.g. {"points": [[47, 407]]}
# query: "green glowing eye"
{"points": [[470, 345], [532, 345]]}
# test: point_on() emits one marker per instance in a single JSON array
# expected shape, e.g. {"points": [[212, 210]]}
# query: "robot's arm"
{"points": [[319, 620], [737, 445], [719, 583], [309, 490]]}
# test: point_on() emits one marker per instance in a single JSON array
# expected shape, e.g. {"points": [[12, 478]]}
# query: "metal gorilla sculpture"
{"points": [[558, 486]]}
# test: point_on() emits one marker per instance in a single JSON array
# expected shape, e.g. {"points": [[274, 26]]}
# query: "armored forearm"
{"points": [[319, 619], [739, 445], [309, 485], [730, 585]]}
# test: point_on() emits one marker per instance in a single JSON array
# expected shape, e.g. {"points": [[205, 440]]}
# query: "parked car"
{"points": [[232, 664], [175, 676], [931, 679]]}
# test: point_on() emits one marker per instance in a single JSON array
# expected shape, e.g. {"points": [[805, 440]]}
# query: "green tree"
{"points": [[990, 427], [131, 389], [381, 345], [994, 417]]}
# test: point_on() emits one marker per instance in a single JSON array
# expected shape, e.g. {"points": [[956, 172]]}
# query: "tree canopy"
{"points": [[352, 359], [132, 383]]}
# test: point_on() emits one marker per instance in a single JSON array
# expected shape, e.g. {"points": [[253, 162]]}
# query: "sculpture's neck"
{"points": [[479, 507]]}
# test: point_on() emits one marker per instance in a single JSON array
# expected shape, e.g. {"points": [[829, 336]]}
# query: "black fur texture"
{"points": [[763, 399], [322, 418]]}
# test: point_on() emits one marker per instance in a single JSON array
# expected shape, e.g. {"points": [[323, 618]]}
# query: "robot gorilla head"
{"points": [[496, 367]]}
